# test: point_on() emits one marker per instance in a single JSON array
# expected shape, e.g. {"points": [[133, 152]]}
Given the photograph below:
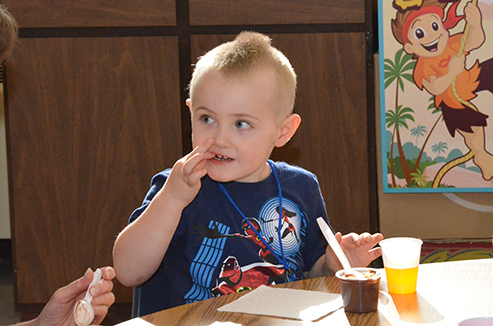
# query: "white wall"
{"points": [[4, 193]]}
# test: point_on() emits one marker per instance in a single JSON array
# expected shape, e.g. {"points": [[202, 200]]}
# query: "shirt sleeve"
{"points": [[157, 183], [315, 242]]}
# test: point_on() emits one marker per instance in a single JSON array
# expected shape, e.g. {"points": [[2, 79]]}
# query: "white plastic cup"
{"points": [[401, 261]]}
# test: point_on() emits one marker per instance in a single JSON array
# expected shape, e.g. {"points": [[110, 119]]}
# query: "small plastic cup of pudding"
{"points": [[360, 296]]}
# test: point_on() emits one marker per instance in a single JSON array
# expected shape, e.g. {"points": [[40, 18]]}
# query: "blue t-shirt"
{"points": [[214, 251]]}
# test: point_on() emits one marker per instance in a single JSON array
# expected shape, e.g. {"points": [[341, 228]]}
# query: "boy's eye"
{"points": [[242, 125], [206, 119], [435, 26], [419, 33]]}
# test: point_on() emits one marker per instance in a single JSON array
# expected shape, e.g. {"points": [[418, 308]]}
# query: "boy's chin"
{"points": [[219, 178]]}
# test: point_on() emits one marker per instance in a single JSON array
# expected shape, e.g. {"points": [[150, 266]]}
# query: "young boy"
{"points": [[225, 218]]}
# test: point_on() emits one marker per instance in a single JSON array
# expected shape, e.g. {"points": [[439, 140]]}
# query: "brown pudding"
{"points": [[360, 296]]}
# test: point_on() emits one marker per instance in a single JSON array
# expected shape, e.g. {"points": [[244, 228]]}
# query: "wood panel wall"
{"points": [[258, 12], [95, 96], [77, 147], [92, 13]]}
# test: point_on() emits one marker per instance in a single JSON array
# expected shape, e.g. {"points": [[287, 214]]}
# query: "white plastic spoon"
{"points": [[83, 312], [334, 244]]}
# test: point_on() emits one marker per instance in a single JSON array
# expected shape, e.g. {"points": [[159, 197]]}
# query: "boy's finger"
{"points": [[195, 163], [375, 252], [196, 176], [204, 147]]}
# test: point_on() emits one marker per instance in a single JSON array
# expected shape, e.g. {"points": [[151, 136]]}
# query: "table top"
{"points": [[447, 293]]}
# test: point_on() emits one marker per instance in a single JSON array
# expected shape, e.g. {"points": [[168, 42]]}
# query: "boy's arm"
{"points": [[324, 266], [437, 86], [141, 246], [359, 250], [476, 36]]}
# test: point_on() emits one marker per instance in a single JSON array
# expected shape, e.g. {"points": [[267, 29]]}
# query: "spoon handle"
{"points": [[331, 239], [95, 278]]}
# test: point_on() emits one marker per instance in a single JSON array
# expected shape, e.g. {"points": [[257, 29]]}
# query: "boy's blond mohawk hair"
{"points": [[249, 51]]}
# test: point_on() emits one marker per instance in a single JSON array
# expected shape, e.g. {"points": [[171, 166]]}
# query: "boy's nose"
{"points": [[222, 137]]}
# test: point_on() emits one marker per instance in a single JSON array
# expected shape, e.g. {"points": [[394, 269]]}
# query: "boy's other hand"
{"points": [[472, 14], [184, 179], [359, 249], [456, 64]]}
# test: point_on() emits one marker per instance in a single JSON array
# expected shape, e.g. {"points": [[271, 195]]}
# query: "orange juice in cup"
{"points": [[402, 281], [401, 262]]}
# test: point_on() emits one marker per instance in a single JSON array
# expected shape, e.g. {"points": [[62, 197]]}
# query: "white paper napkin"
{"points": [[287, 303], [135, 322]]}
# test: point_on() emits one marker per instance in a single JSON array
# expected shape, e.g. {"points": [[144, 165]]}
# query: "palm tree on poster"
{"points": [[439, 148], [418, 132], [434, 110], [419, 178], [398, 119], [397, 71]]}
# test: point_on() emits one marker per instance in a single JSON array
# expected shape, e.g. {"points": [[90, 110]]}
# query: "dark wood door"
{"points": [[90, 120]]}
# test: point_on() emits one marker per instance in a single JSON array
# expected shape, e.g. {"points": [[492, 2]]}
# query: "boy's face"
{"points": [[238, 114], [426, 36]]}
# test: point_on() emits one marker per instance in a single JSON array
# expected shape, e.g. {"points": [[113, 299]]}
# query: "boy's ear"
{"points": [[288, 128], [188, 102], [408, 48]]}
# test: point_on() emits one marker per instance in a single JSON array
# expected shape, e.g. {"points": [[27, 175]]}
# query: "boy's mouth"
{"points": [[222, 158], [431, 47]]}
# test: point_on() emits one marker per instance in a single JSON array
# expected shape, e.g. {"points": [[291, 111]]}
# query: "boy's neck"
{"points": [[264, 175]]}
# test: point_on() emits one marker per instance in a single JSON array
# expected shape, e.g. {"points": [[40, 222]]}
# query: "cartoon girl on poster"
{"points": [[422, 28]]}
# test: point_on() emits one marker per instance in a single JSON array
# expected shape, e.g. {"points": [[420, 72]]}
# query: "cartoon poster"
{"points": [[436, 91]]}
